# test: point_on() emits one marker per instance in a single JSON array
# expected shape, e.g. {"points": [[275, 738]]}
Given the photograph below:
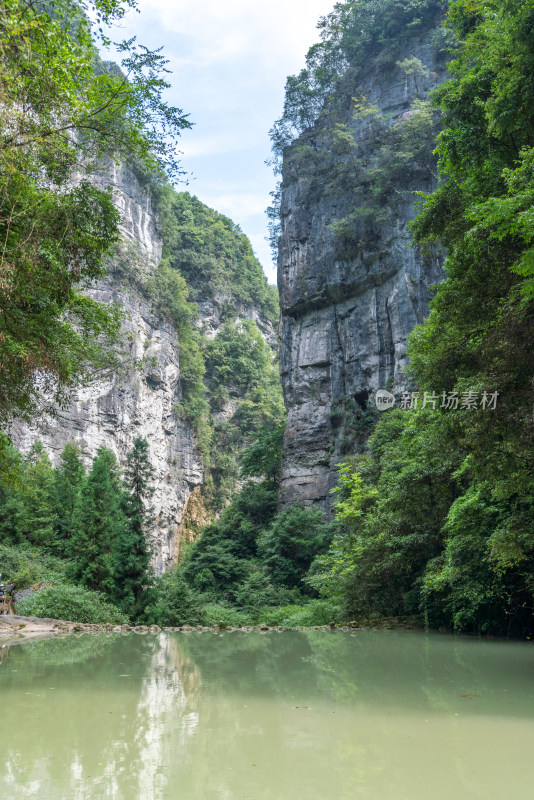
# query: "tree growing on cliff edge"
{"points": [[63, 115]]}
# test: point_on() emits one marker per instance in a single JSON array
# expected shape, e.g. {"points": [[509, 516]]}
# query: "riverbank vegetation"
{"points": [[437, 516], [435, 519], [85, 534]]}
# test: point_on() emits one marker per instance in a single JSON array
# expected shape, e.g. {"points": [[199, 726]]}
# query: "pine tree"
{"points": [[98, 521], [11, 516], [131, 556], [69, 477], [11, 483], [38, 497]]}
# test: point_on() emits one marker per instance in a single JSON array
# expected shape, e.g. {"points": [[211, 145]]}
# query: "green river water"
{"points": [[309, 715]]}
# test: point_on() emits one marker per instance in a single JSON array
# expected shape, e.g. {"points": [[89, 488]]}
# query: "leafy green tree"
{"points": [[263, 457], [215, 569], [238, 357], [172, 602], [98, 522], [68, 479], [289, 545], [11, 482], [392, 505], [258, 591], [61, 121], [131, 555], [11, 516], [225, 553]]}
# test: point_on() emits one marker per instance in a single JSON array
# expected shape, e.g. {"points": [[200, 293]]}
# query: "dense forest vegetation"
{"points": [[437, 516], [435, 520], [206, 257]]}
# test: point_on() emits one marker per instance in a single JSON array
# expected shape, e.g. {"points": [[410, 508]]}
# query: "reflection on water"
{"points": [[320, 715]]}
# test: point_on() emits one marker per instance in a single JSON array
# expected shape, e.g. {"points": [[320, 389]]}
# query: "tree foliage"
{"points": [[213, 254], [72, 603], [68, 479], [130, 552], [438, 515], [65, 525], [99, 521], [63, 116], [289, 545]]}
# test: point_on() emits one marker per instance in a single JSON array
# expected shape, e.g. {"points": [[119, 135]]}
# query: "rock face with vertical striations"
{"points": [[145, 400], [113, 412], [351, 285]]}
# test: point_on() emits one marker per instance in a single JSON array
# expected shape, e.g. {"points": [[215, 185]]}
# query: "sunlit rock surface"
{"points": [[112, 413]]}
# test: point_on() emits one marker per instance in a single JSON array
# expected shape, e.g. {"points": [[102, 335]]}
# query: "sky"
{"points": [[229, 60]]}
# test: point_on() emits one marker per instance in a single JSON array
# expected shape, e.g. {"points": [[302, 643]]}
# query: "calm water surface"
{"points": [[277, 716]]}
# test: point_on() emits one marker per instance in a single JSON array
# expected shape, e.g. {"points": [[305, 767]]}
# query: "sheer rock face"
{"points": [[113, 413], [345, 321]]}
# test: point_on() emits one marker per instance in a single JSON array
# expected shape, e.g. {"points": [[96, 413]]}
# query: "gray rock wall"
{"points": [[345, 320], [112, 413]]}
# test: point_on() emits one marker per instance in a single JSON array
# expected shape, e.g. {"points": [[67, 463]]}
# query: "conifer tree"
{"points": [[131, 556], [98, 521], [38, 497], [11, 516], [69, 476], [11, 482]]}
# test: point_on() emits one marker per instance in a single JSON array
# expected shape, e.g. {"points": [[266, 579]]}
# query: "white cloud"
{"points": [[238, 206], [269, 30], [262, 250], [229, 62]]}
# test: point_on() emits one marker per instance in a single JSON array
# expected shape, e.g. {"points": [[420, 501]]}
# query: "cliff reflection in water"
{"points": [[324, 715], [95, 714]]}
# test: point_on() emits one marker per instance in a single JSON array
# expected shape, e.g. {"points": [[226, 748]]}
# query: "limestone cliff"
{"points": [[351, 285], [115, 411], [144, 400]]}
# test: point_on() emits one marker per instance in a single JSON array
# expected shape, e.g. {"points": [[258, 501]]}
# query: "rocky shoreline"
{"points": [[24, 628]]}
